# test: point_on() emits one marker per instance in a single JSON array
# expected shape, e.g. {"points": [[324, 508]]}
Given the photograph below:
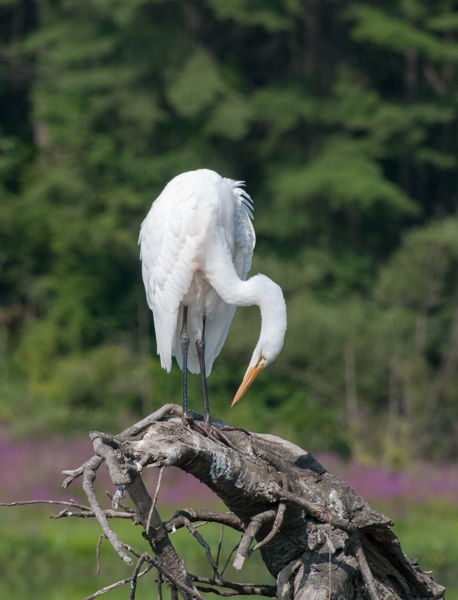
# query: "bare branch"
{"points": [[88, 479], [95, 462], [113, 586], [97, 552], [283, 586], [92, 464], [220, 543], [275, 528], [229, 558], [118, 477], [156, 494], [88, 514], [318, 512], [131, 550], [158, 539], [159, 415], [364, 568], [224, 593], [59, 502], [204, 544], [241, 589], [159, 585], [133, 584], [121, 504], [249, 535], [200, 514]]}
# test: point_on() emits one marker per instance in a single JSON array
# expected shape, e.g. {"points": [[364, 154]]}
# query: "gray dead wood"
{"points": [[367, 560]]}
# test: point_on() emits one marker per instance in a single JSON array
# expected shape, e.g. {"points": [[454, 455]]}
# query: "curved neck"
{"points": [[266, 294]]}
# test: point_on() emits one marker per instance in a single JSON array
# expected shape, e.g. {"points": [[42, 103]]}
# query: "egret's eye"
{"points": [[261, 360]]}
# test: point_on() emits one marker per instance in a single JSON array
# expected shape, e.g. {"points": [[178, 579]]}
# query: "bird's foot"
{"points": [[231, 428], [213, 432]]}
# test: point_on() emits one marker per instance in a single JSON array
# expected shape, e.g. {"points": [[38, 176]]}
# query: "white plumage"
{"points": [[196, 248], [196, 212]]}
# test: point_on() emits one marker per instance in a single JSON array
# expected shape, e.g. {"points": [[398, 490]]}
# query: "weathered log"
{"points": [[317, 536], [330, 544]]}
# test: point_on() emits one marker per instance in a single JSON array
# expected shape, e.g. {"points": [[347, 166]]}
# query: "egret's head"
{"points": [[270, 343]]}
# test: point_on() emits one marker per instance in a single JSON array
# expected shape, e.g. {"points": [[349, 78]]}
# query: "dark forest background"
{"points": [[342, 118]]}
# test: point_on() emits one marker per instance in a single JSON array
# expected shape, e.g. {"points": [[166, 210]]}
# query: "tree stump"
{"points": [[317, 536]]}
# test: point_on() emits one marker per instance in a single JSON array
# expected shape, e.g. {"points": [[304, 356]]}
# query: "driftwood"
{"points": [[317, 537]]}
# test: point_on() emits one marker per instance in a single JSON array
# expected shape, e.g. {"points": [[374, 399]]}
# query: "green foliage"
{"points": [[342, 121], [58, 558], [428, 532]]}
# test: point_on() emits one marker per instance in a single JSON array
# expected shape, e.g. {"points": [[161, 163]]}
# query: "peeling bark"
{"points": [[323, 517]]}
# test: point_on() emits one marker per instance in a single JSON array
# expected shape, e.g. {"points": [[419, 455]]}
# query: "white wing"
{"points": [[166, 240], [172, 237], [220, 318]]}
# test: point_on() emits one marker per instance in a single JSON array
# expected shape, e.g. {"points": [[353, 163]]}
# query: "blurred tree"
{"points": [[343, 121]]}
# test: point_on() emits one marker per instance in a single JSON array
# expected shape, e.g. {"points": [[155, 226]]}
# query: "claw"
{"points": [[213, 432]]}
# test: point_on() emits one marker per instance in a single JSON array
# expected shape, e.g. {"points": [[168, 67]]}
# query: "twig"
{"points": [[133, 583], [143, 502], [116, 499], [132, 550], [88, 514], [283, 587], [111, 440], [118, 477], [314, 510], [60, 502], [159, 415], [249, 535], [278, 519], [97, 552], [204, 544], [113, 586], [88, 479], [174, 581], [156, 494], [221, 533], [364, 568], [154, 562], [159, 585], [95, 462], [275, 528], [240, 588], [121, 504], [199, 514], [84, 512], [229, 558], [224, 593]]}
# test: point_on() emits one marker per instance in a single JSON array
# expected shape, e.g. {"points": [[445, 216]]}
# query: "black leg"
{"points": [[184, 337], [201, 354], [214, 432]]}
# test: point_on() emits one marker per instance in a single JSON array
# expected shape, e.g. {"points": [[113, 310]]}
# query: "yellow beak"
{"points": [[247, 381]]}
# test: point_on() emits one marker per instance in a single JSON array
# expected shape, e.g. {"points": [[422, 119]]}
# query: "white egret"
{"points": [[196, 248]]}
